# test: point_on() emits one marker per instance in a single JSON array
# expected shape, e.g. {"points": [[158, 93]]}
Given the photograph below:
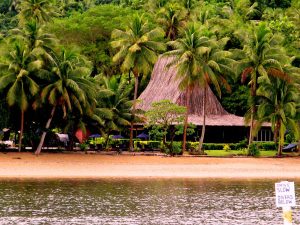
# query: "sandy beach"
{"points": [[91, 166]]}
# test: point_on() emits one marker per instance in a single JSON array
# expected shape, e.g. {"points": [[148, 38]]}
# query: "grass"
{"points": [[222, 153]]}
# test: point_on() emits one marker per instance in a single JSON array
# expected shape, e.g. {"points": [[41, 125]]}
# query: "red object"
{"points": [[81, 136]]}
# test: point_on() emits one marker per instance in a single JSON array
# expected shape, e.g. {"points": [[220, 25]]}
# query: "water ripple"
{"points": [[140, 202]]}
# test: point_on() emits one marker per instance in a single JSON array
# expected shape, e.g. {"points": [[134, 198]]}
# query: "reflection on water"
{"points": [[143, 202]]}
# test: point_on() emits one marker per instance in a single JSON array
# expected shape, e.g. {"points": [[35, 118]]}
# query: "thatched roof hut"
{"points": [[164, 85]]}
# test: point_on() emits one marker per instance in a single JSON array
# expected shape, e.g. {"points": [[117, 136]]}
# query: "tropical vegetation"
{"points": [[81, 64]]}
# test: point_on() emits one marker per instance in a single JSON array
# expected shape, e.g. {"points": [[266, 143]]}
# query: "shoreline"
{"points": [[77, 166]]}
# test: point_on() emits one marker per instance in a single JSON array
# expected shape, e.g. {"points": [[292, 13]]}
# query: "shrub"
{"points": [[83, 146], [253, 150], [226, 148], [177, 148], [192, 145], [242, 144], [266, 145], [212, 146]]}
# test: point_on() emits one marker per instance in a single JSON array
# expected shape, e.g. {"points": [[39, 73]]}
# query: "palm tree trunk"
{"points": [[106, 140], [251, 126], [204, 121], [275, 132], [280, 138], [21, 131], [187, 105], [253, 111], [39, 148], [136, 84]]}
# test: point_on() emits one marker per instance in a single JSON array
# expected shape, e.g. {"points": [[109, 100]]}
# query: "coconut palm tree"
{"points": [[14, 5], [68, 87], [137, 47], [261, 57], [39, 10], [17, 80], [116, 106], [37, 40], [171, 19], [200, 61], [278, 105]]}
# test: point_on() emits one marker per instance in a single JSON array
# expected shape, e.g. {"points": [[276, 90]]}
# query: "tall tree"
{"points": [[278, 105], [39, 10], [37, 40], [137, 52], [67, 88], [262, 56], [172, 19], [114, 106], [200, 61], [17, 80]]}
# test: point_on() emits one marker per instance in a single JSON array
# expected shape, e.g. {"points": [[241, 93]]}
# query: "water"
{"points": [[143, 202]]}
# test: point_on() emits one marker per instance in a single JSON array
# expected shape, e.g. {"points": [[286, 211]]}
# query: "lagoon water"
{"points": [[140, 201]]}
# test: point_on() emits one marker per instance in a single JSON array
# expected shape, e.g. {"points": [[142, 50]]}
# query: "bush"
{"points": [[83, 146], [253, 150], [268, 146], [177, 148], [226, 148], [212, 146], [242, 144], [147, 144], [192, 145]]}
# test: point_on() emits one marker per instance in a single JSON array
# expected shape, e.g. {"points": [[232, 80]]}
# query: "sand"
{"points": [[94, 166]]}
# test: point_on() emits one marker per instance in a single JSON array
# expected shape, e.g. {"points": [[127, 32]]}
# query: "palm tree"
{"points": [[39, 10], [171, 18], [36, 39], [137, 52], [18, 82], [189, 5], [279, 99], [200, 62], [68, 87], [116, 106], [155, 5], [14, 5], [261, 57]]}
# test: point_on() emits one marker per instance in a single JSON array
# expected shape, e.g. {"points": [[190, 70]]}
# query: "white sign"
{"points": [[285, 194]]}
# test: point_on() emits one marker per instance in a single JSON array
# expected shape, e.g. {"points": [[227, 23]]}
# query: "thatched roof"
{"points": [[164, 85]]}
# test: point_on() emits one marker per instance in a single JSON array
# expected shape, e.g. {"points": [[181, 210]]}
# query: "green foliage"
{"points": [[220, 24], [137, 47], [267, 146], [236, 102], [162, 117], [114, 106], [279, 100], [175, 150], [165, 113], [283, 25], [83, 146], [189, 132], [91, 32], [226, 148], [253, 150], [152, 145]]}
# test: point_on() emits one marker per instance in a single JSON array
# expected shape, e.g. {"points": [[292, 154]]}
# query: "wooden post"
{"points": [[287, 215]]}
